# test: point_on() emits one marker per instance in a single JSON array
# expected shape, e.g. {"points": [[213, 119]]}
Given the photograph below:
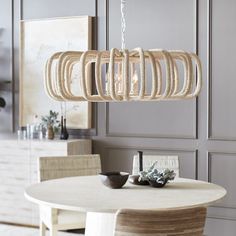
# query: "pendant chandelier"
{"points": [[135, 75]]}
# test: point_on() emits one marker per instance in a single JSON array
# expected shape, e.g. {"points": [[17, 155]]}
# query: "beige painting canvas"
{"points": [[39, 40]]}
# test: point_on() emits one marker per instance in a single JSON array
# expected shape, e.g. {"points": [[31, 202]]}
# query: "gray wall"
{"points": [[6, 72], [201, 132]]}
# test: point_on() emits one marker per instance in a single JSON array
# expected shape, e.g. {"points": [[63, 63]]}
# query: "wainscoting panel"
{"points": [[220, 227], [147, 119], [221, 168], [222, 112], [54, 8]]}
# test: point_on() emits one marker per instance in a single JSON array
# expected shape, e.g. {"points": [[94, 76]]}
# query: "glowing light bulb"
{"points": [[107, 83], [134, 84]]}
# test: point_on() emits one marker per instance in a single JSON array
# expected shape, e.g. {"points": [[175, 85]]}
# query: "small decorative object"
{"points": [[50, 132], [2, 102], [64, 133], [114, 179], [33, 130], [134, 179], [21, 134], [140, 154], [157, 178], [51, 123]]}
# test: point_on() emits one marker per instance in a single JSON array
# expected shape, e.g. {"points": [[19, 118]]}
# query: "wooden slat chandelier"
{"points": [[127, 77]]}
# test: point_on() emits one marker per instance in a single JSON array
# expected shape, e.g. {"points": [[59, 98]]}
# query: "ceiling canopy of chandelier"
{"points": [[135, 75]]}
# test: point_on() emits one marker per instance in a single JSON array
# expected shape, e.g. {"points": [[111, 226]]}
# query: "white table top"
{"points": [[90, 195]]}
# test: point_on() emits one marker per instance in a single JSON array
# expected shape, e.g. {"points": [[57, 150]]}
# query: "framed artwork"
{"points": [[39, 39]]}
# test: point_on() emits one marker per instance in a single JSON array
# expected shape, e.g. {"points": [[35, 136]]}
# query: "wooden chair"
{"points": [[186, 222], [163, 162], [60, 167]]}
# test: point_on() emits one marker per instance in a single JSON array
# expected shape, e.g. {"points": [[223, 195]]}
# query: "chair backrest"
{"points": [[163, 162], [186, 222], [68, 166]]}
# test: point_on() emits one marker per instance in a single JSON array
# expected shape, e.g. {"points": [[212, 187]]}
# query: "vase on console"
{"points": [[64, 133], [50, 132]]}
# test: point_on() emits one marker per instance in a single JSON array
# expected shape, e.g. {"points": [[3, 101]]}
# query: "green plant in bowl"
{"points": [[155, 177]]}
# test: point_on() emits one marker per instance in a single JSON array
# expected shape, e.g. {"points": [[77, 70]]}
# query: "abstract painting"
{"points": [[38, 41]]}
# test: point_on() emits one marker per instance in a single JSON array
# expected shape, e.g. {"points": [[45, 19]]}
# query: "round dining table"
{"points": [[88, 194]]}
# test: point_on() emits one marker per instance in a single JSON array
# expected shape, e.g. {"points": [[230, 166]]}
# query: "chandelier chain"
{"points": [[123, 24]]}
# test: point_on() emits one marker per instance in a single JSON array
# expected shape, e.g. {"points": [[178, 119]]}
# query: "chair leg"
{"points": [[53, 232], [42, 229]]}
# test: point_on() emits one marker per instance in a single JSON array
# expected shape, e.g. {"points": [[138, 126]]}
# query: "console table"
{"points": [[18, 169]]}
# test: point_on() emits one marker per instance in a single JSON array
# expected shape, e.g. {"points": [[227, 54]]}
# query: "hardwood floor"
{"points": [[11, 230]]}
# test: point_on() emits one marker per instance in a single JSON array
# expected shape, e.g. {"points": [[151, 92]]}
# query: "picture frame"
{"points": [[39, 39]]}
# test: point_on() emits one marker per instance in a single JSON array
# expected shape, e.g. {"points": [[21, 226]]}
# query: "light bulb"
{"points": [[134, 84]]}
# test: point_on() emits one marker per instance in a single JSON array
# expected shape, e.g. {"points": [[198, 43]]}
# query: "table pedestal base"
{"points": [[99, 224]]}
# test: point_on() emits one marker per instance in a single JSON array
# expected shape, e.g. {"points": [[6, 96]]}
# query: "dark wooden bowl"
{"points": [[157, 185], [134, 179], [114, 179]]}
